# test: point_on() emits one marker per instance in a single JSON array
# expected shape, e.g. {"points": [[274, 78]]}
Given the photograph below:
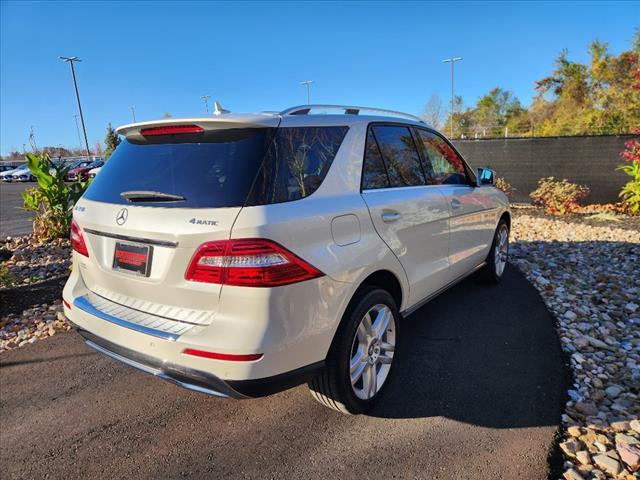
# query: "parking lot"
{"points": [[13, 221]]}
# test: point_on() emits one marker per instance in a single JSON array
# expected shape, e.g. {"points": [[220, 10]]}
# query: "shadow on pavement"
{"points": [[480, 354]]}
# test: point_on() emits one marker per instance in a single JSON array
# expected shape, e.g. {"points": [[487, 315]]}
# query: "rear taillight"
{"points": [[77, 239], [171, 130], [249, 262]]}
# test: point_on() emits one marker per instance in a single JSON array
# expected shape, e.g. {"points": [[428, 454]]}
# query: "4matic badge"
{"points": [[200, 221]]}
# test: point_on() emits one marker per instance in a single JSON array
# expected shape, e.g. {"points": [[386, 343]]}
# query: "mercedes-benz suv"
{"points": [[243, 254]]}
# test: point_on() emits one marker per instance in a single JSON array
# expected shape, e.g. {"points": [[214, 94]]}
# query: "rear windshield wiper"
{"points": [[151, 196]]}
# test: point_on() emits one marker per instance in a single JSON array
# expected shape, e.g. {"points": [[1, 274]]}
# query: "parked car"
{"points": [[94, 171], [22, 174], [81, 171], [240, 255], [4, 168], [72, 174], [7, 175]]}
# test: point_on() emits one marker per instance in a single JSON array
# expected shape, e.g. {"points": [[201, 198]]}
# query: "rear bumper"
{"points": [[199, 381], [185, 377]]}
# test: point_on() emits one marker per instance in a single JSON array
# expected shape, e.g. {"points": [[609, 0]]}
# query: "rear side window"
{"points": [[445, 165], [209, 169], [400, 155], [296, 163], [374, 173]]}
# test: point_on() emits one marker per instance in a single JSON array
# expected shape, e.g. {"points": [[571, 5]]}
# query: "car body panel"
{"points": [[337, 229]]}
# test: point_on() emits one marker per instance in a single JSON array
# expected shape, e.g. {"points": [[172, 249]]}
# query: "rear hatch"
{"points": [[165, 191]]}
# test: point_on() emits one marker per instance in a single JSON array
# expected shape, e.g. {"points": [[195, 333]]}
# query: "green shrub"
{"points": [[52, 200], [505, 186], [558, 197], [630, 193], [7, 279]]}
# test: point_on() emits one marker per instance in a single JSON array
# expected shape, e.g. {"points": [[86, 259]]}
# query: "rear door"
{"points": [[411, 217], [472, 213], [155, 201]]}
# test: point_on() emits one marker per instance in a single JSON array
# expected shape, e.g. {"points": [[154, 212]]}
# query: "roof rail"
{"points": [[348, 110]]}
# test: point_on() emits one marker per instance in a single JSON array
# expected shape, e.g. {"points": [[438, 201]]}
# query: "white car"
{"points": [[94, 171], [6, 176], [243, 254], [22, 174]]}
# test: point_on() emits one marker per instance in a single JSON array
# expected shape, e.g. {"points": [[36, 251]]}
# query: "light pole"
{"points": [[78, 130], [452, 61], [308, 84], [133, 112], [206, 102], [70, 61]]}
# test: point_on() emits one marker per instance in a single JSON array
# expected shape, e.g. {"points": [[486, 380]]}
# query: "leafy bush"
{"points": [[7, 279], [505, 186], [52, 200], [630, 193], [558, 197]]}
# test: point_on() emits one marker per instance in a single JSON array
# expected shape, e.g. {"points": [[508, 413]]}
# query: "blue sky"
{"points": [[163, 56]]}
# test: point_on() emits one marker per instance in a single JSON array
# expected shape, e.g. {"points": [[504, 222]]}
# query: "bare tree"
{"points": [[433, 111]]}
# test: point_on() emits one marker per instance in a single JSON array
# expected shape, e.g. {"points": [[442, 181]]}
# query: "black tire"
{"points": [[490, 272], [332, 387]]}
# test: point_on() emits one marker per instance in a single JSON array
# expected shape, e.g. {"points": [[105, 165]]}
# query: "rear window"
{"points": [[220, 168]]}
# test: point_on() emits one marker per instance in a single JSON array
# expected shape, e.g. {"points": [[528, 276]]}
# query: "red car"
{"points": [[81, 171]]}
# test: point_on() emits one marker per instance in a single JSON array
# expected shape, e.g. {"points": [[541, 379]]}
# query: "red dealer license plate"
{"points": [[132, 258]]}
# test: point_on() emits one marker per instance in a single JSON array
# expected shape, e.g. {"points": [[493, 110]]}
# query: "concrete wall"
{"points": [[590, 161]]}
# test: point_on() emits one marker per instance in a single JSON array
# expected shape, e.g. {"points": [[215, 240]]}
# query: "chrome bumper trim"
{"points": [[83, 304], [184, 377]]}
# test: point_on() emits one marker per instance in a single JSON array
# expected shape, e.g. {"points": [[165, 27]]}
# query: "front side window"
{"points": [[374, 173], [445, 165], [400, 155], [296, 163]]}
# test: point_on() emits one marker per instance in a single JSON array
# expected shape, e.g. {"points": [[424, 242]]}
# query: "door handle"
{"points": [[389, 217], [455, 204]]}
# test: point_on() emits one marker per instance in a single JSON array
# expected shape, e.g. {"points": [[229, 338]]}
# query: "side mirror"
{"points": [[486, 176]]}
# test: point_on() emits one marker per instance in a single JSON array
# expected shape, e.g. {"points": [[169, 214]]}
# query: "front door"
{"points": [[472, 211]]}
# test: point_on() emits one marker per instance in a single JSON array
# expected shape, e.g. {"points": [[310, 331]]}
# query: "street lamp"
{"points": [[206, 102], [452, 61], [70, 61], [308, 84]]}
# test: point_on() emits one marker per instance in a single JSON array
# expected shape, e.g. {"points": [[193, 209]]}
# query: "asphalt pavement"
{"points": [[477, 393], [13, 220]]}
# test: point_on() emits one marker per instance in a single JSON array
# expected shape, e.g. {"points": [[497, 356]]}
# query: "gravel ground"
{"points": [[30, 265], [588, 275], [32, 261]]}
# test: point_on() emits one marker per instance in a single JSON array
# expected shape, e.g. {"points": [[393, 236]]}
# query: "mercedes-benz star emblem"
{"points": [[122, 216]]}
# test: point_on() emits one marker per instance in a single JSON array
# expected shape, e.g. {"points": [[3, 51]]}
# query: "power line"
{"points": [[70, 61], [452, 61], [78, 130]]}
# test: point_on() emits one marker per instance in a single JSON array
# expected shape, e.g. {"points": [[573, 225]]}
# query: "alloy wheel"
{"points": [[372, 351], [501, 250]]}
